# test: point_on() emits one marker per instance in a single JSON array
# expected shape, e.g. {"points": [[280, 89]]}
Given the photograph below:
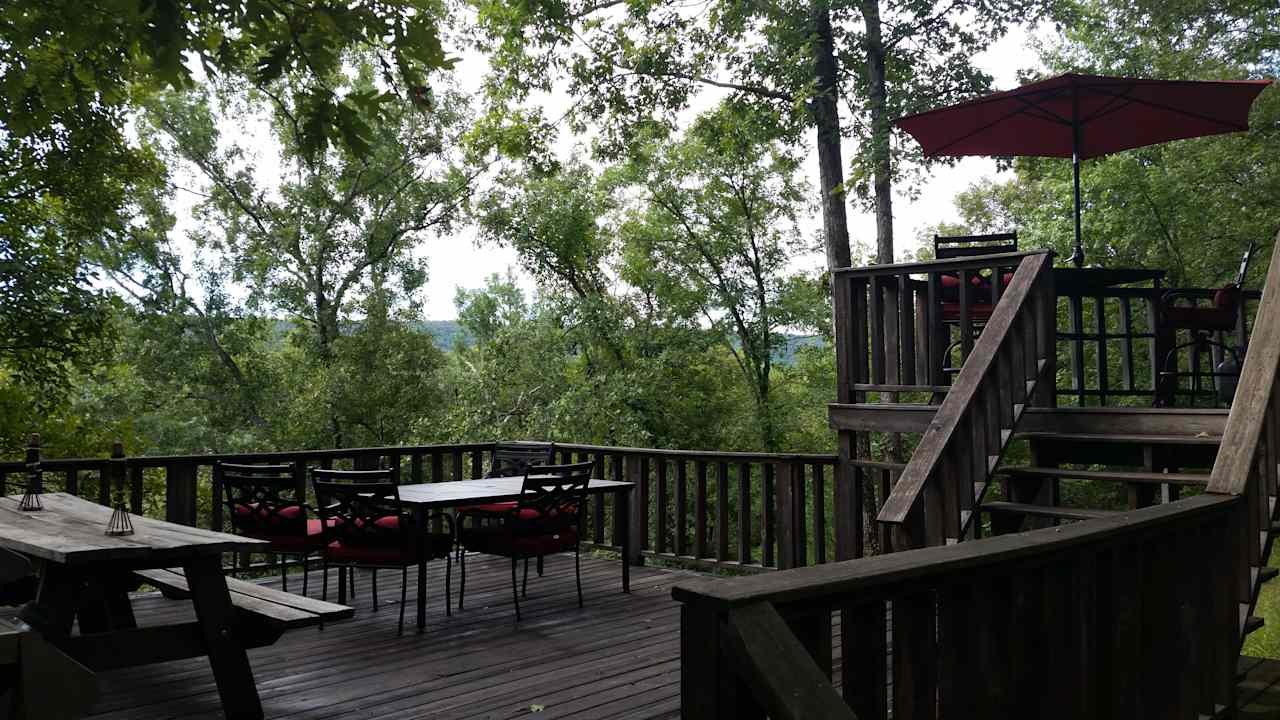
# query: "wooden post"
{"points": [[180, 494], [707, 686], [635, 509], [790, 494], [113, 479], [36, 477]]}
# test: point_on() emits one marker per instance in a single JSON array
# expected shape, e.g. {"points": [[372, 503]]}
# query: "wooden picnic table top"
{"points": [[468, 492], [71, 531]]}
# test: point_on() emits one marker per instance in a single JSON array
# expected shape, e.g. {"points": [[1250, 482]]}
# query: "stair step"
{"points": [[1253, 623], [1127, 476], [1202, 439], [1048, 511]]}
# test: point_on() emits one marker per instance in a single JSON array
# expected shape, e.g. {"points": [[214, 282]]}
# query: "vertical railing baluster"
{"points": [[907, 334], [966, 317], [662, 546], [700, 509], [819, 513], [767, 514], [682, 510], [744, 512]]}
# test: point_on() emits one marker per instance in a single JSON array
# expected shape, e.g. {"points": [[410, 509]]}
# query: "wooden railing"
{"points": [[736, 510], [907, 327], [934, 498], [1112, 343], [1128, 616], [1247, 460]]}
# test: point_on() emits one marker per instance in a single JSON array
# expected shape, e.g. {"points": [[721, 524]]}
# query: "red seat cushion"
{"points": [[978, 312], [499, 509], [502, 541], [294, 542], [437, 545], [1201, 318]]}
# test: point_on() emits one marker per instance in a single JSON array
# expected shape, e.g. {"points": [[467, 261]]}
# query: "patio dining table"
{"points": [[434, 496], [86, 576]]}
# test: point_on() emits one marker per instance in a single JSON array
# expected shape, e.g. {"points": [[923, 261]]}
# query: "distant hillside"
{"points": [[446, 332]]}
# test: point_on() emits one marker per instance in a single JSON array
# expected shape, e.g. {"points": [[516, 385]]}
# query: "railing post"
{"points": [[790, 494], [180, 493], [635, 509], [709, 689], [113, 477], [36, 477]]}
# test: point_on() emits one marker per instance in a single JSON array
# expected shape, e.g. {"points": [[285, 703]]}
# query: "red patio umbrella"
{"points": [[1084, 116]]}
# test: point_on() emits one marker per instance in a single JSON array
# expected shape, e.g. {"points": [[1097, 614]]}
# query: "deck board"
{"points": [[617, 657]]}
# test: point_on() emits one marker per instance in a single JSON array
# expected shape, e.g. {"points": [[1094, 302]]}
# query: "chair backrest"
{"points": [[1245, 259], [512, 459], [956, 246], [262, 498], [552, 497], [362, 513]]}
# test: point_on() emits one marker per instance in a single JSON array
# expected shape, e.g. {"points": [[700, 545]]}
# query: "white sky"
{"points": [[459, 261]]}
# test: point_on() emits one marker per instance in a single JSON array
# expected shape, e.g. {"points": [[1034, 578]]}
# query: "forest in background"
{"points": [[663, 249]]}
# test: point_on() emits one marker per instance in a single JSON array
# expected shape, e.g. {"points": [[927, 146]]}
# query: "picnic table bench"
{"points": [[264, 611]]}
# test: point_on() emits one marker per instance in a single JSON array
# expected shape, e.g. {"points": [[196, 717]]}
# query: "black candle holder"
{"points": [[120, 524], [31, 497]]}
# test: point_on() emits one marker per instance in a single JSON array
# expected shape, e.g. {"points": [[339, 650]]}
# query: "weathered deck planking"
{"points": [[617, 657]]}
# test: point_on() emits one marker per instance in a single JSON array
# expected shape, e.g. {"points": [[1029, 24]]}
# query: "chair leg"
{"points": [[462, 581], [351, 570], [524, 584], [373, 587], [577, 573], [539, 566], [284, 572], [324, 579], [448, 593], [343, 577], [404, 589], [304, 573], [515, 592]]}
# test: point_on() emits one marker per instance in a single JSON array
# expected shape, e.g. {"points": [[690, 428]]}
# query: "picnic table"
{"points": [[432, 496], [86, 575]]}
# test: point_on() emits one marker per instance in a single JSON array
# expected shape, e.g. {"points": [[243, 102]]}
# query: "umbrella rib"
{"points": [[1113, 105], [1188, 113]]}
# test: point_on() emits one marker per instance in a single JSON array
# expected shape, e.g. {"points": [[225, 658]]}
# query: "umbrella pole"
{"points": [[1077, 257]]}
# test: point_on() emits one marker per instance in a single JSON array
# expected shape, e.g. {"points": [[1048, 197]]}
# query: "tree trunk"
{"points": [[881, 161], [826, 117]]}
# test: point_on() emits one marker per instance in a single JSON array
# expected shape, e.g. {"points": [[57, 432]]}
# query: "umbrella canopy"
{"points": [[1084, 116]]}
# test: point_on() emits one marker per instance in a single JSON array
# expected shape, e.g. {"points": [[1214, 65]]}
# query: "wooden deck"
{"points": [[617, 657]]}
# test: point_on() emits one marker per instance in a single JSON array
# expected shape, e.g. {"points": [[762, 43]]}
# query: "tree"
{"points": [[639, 64], [72, 71], [714, 231], [338, 229]]}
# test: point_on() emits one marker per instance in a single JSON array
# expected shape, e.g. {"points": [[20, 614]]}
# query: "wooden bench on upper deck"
{"points": [[265, 613]]}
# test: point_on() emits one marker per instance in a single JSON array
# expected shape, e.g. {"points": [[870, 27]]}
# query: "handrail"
{"points": [[977, 262], [336, 453], [1253, 402], [971, 395], [923, 566]]}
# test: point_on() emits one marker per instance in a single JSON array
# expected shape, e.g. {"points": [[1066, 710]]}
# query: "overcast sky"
{"points": [[459, 261]]}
